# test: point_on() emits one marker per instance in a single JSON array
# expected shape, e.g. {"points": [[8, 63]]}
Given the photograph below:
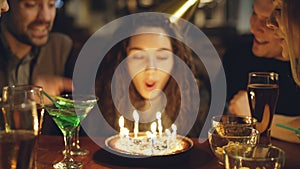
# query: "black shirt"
{"points": [[239, 60]]}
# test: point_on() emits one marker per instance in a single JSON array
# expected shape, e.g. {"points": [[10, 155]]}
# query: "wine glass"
{"points": [[69, 98], [263, 92], [67, 114]]}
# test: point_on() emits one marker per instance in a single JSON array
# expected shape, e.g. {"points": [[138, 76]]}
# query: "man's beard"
{"points": [[27, 38]]}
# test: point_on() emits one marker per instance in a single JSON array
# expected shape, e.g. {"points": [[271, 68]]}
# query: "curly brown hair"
{"points": [[172, 90]]}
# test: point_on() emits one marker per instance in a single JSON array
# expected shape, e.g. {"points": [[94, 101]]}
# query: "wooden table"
{"points": [[200, 156]]}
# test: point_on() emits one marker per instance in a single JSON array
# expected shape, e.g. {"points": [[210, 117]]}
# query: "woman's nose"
{"points": [[151, 62]]}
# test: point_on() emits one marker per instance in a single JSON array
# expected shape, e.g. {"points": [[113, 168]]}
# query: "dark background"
{"points": [[221, 20]]}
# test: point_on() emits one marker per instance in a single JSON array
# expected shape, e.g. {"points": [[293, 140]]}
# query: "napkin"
{"points": [[284, 134]]}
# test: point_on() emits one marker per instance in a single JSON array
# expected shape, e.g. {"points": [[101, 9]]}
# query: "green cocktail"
{"points": [[67, 114], [76, 101], [66, 119]]}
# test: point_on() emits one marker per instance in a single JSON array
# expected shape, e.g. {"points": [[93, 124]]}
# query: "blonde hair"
{"points": [[291, 25]]}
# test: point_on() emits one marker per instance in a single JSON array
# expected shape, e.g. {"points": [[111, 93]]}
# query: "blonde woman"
{"points": [[285, 20], [289, 24]]}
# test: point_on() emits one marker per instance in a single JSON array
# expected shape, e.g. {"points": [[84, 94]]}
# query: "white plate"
{"points": [[125, 158]]}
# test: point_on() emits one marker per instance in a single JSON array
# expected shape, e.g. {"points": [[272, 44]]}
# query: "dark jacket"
{"points": [[54, 58], [50, 59], [239, 60]]}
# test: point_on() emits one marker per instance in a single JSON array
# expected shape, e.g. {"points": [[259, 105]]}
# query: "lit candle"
{"points": [[121, 124], [169, 135], [153, 128], [174, 131], [160, 128], [151, 136], [126, 132], [126, 135], [136, 123]]}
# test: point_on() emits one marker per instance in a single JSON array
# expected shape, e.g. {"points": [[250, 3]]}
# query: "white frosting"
{"points": [[142, 145]]}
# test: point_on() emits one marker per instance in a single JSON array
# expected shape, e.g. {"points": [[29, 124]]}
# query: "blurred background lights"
{"points": [[59, 3]]}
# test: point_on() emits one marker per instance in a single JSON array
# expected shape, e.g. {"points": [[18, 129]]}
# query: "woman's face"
{"points": [[266, 43], [150, 61]]}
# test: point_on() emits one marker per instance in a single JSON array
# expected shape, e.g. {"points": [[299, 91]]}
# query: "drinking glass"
{"points": [[263, 91], [254, 157], [18, 94], [233, 120], [67, 114], [220, 137], [69, 98], [17, 141], [22, 93]]}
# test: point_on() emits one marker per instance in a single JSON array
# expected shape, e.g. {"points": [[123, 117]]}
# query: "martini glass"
{"points": [[67, 114], [68, 99]]}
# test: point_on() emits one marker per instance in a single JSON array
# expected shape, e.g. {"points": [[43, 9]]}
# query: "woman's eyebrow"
{"points": [[161, 49], [135, 48], [158, 49]]}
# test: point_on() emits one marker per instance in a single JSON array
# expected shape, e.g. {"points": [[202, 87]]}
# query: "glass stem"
{"points": [[68, 136], [76, 138]]}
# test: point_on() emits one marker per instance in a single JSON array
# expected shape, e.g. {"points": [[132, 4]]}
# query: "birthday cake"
{"points": [[145, 146]]}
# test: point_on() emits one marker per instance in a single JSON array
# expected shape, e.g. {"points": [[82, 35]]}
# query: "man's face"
{"points": [[266, 42], [30, 21]]}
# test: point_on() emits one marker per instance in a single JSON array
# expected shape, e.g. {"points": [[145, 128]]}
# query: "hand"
{"points": [[239, 104], [53, 85]]}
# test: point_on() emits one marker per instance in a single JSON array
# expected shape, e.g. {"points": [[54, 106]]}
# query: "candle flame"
{"points": [[121, 122], [135, 115]]}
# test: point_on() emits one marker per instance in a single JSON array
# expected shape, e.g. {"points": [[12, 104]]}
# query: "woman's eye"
{"points": [[138, 56], [163, 55]]}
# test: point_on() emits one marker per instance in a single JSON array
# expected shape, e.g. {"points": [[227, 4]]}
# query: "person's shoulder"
{"points": [[58, 45], [60, 38]]}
